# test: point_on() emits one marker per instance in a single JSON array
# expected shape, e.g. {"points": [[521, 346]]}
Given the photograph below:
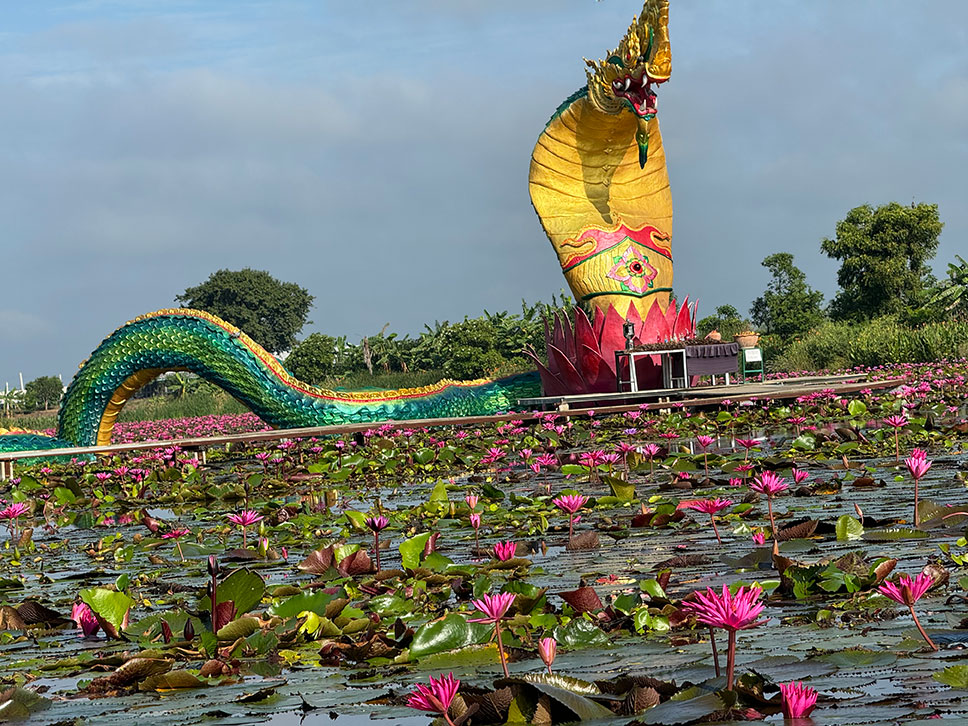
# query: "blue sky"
{"points": [[377, 152]]}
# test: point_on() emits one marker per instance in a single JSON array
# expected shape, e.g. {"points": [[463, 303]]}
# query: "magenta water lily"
{"points": [[770, 484], [712, 507], [377, 524], [907, 591], [547, 650], [494, 607], [245, 518], [731, 612], [571, 504], [798, 700], [437, 697], [917, 465]]}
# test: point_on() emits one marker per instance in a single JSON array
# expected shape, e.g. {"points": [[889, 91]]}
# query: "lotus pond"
{"points": [[313, 580]]}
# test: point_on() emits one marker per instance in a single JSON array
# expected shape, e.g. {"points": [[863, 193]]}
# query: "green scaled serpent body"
{"points": [[192, 340]]}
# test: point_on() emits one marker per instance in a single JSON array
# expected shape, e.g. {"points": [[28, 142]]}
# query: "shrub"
{"points": [[873, 343]]}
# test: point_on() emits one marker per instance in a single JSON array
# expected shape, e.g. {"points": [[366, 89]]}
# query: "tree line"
{"points": [[883, 276]]}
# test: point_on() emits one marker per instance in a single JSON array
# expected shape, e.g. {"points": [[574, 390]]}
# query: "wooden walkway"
{"points": [[612, 403], [773, 389]]}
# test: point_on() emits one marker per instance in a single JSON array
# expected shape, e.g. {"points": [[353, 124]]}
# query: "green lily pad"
{"points": [[955, 676], [449, 633], [849, 528], [173, 681], [412, 549], [242, 587], [893, 534], [689, 706], [859, 658], [565, 692], [314, 602], [20, 702], [108, 605], [621, 489], [241, 628], [580, 633]]}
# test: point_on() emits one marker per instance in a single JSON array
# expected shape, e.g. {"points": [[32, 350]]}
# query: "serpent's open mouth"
{"points": [[639, 93]]}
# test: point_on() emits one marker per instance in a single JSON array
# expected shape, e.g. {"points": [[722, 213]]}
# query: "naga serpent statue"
{"points": [[599, 185]]}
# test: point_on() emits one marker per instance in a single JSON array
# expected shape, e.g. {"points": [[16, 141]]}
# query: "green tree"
{"points": [[471, 350], [43, 393], [883, 253], [951, 296], [271, 312], [182, 384], [312, 360], [726, 320], [788, 306]]}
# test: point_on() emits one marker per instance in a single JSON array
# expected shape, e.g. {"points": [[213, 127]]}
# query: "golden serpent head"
{"points": [[627, 76]]}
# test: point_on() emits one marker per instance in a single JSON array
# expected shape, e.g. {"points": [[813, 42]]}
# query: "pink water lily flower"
{"points": [[376, 524], [547, 649], [471, 500], [437, 697], [799, 475], [83, 617], [731, 612], [651, 450], [897, 422], [708, 506], [504, 551], [747, 444], [798, 700], [245, 518], [13, 513], [176, 534], [494, 608], [726, 610], [917, 465], [570, 503], [476, 524], [15, 510], [705, 442], [907, 591], [770, 484]]}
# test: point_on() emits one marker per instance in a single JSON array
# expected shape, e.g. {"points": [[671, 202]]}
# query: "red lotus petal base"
{"points": [[581, 356]]}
